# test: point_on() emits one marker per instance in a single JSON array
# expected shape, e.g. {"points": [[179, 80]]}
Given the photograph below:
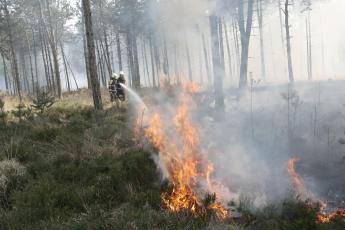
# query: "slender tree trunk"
{"points": [[106, 59], [228, 50], [68, 85], [146, 62], [190, 70], [201, 73], [31, 64], [24, 72], [136, 83], [218, 67], [237, 47], [13, 53], [101, 64], [309, 48], [5, 72], [70, 69], [281, 24], [262, 48], [165, 55], [86, 57], [288, 44], [96, 91], [152, 61], [206, 57], [51, 69], [46, 68], [54, 49], [245, 31], [130, 57], [107, 53], [35, 59], [119, 53]]}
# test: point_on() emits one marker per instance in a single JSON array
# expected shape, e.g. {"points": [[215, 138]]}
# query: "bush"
{"points": [[12, 178], [22, 112], [3, 113], [42, 101]]}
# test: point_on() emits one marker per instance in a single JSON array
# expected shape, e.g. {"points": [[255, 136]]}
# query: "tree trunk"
{"points": [[35, 59], [13, 53], [31, 64], [288, 44], [262, 48], [310, 60], [70, 69], [190, 70], [53, 45], [206, 57], [228, 50], [5, 72], [86, 57], [130, 57], [136, 82], [96, 91], [152, 61], [237, 47], [119, 53], [146, 62], [68, 85], [245, 32], [218, 67]]}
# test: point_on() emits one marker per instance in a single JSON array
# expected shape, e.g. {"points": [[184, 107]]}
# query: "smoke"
{"points": [[250, 148]]}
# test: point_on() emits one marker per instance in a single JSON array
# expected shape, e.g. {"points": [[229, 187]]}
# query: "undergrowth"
{"points": [[74, 168]]}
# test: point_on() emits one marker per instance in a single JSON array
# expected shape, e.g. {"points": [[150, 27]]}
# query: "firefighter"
{"points": [[120, 91], [121, 78], [112, 86]]}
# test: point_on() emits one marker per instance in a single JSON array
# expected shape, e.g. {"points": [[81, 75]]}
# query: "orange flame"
{"points": [[299, 185], [297, 180], [178, 145]]}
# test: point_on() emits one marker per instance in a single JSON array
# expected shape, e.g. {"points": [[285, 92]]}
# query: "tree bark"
{"points": [[190, 70], [13, 53], [228, 50], [31, 64], [288, 40], [85, 51], [245, 32], [68, 85], [207, 62], [96, 91], [262, 48], [5, 72], [218, 67], [54, 49], [152, 61], [119, 52]]}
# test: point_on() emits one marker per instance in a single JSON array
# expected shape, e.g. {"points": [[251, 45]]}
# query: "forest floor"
{"points": [[75, 168]]}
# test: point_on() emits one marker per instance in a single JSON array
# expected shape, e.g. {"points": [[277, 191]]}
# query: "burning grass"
{"points": [[178, 147], [324, 216]]}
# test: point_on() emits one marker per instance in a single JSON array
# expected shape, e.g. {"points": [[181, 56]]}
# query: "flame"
{"points": [[178, 146], [297, 180], [325, 218], [192, 87], [298, 184]]}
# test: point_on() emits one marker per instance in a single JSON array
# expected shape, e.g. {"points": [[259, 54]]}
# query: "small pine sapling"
{"points": [[42, 101]]}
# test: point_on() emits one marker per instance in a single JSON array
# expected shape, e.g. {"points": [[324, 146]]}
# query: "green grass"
{"points": [[75, 168]]}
